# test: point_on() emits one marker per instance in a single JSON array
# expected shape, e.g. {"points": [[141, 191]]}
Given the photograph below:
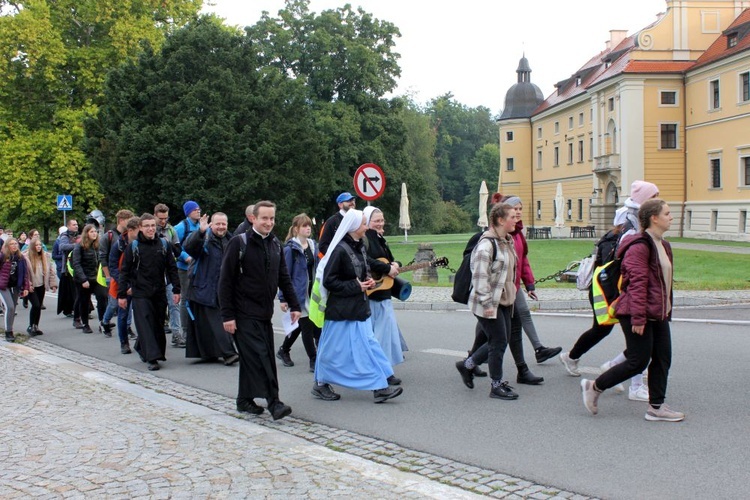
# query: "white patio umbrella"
{"points": [[483, 195], [560, 206], [404, 222]]}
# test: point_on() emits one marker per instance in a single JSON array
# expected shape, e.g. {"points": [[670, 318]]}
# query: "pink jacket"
{"points": [[523, 268]]}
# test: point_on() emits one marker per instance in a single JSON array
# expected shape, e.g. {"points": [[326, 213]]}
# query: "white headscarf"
{"points": [[352, 221], [368, 211]]}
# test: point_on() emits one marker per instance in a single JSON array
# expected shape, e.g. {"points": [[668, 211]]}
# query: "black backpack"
{"points": [[462, 279]]}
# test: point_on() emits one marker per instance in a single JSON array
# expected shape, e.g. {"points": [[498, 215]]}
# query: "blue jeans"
{"points": [[174, 312], [123, 319], [111, 309]]}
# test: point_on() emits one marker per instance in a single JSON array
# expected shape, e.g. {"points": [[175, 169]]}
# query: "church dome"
{"points": [[523, 97]]}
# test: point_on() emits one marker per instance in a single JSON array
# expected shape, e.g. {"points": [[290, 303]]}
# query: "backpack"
{"points": [[604, 251], [462, 279], [136, 253], [243, 248], [607, 286]]}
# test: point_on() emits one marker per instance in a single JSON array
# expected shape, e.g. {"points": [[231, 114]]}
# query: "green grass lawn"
{"points": [[694, 270]]}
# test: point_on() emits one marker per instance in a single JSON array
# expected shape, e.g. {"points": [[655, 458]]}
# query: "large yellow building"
{"points": [[669, 104]]}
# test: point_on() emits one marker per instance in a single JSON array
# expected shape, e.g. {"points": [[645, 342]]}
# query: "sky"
{"points": [[471, 48]]}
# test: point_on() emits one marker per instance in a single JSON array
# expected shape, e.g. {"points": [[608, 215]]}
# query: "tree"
{"points": [[461, 132], [201, 119], [56, 55], [482, 167]]}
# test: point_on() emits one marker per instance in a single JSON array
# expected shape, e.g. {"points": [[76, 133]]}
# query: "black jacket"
{"points": [[346, 300], [378, 248], [329, 230], [247, 289], [207, 251], [143, 269], [85, 263]]}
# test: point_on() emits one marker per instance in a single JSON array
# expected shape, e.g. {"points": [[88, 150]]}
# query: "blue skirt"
{"points": [[386, 330], [349, 356]]}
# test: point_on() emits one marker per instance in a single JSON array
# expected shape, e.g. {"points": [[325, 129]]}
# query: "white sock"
{"points": [[620, 358]]}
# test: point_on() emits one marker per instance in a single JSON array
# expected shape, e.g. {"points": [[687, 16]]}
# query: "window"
{"points": [[715, 173], [669, 136], [580, 119], [570, 123], [538, 209], [714, 220], [591, 148], [556, 157], [570, 153], [509, 164], [509, 136], [731, 40], [578, 81], [591, 115], [580, 151], [611, 104], [743, 221], [570, 209], [539, 132], [714, 96], [689, 219], [538, 160], [668, 98], [745, 175], [580, 208], [557, 127], [745, 87]]}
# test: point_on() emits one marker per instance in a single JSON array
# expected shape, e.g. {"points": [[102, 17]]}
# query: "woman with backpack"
{"points": [[644, 309], [493, 292], [15, 282], [301, 255], [625, 223], [86, 268]]}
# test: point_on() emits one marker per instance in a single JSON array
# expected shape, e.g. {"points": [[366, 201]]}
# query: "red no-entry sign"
{"points": [[369, 182]]}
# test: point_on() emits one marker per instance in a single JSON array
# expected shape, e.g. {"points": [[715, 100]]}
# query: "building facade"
{"points": [[668, 104]]}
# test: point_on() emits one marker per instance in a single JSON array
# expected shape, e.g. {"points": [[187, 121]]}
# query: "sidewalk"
{"points": [[426, 298], [79, 427]]}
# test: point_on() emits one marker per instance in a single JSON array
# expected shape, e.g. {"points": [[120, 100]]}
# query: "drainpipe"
{"points": [[684, 156], [531, 166]]}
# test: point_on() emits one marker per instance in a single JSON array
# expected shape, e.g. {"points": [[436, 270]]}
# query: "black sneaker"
{"points": [[545, 353], [153, 366], [230, 360], [131, 333], [325, 392], [284, 357], [9, 337], [383, 395], [478, 372], [279, 410], [466, 375], [125, 348], [105, 329], [245, 406], [503, 391], [86, 329], [77, 324], [394, 380]]}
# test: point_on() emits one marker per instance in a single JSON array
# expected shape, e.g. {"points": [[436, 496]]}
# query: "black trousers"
{"points": [[652, 349], [36, 297], [497, 331], [84, 300], [310, 337], [515, 342], [590, 337], [258, 377]]}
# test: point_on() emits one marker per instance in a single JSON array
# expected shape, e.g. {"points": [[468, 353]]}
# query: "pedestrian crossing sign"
{"points": [[65, 202]]}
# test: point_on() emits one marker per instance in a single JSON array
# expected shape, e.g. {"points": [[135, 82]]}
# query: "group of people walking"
{"points": [[218, 291], [643, 308]]}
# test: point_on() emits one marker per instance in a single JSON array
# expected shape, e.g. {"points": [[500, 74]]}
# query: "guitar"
{"points": [[385, 282]]}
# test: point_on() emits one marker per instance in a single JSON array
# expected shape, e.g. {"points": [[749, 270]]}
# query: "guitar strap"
{"points": [[358, 265]]}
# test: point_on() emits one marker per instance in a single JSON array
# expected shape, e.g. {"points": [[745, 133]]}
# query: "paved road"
{"points": [[546, 437]]}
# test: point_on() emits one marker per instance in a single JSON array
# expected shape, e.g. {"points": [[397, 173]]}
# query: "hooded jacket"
{"points": [[296, 263]]}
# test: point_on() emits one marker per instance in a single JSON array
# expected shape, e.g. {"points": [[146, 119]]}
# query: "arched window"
{"points": [[612, 139]]}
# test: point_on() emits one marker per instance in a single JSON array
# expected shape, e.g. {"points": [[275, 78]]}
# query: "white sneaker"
{"points": [[590, 396], [619, 388], [571, 365], [639, 394], [664, 414]]}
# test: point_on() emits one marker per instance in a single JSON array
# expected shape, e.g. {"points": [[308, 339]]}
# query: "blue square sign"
{"points": [[65, 202]]}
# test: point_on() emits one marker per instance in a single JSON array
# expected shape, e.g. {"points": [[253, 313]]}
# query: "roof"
{"points": [[720, 49]]}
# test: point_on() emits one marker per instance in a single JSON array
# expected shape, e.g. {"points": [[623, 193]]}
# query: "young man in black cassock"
{"points": [[252, 270]]}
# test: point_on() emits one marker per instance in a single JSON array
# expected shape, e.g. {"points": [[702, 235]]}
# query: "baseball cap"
{"points": [[344, 197]]}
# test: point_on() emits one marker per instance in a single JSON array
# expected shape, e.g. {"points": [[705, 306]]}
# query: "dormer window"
{"points": [[607, 64], [578, 81], [731, 40]]}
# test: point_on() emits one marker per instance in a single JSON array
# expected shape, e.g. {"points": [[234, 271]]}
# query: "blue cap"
{"points": [[189, 206], [344, 197]]}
